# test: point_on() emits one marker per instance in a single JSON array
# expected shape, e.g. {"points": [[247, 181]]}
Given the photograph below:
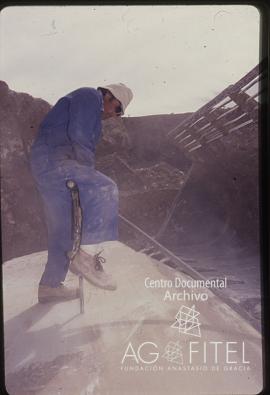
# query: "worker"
{"points": [[65, 149]]}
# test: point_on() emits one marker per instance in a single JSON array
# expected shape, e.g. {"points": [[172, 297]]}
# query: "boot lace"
{"points": [[98, 261]]}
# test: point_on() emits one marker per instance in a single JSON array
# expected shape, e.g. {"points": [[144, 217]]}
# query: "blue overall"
{"points": [[65, 149]]}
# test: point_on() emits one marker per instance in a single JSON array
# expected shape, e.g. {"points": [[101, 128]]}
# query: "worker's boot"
{"points": [[47, 294], [90, 267]]}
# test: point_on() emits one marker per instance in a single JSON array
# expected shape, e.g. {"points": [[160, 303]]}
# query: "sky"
{"points": [[175, 58]]}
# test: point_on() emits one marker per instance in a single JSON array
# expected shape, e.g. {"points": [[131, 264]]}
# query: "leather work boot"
{"points": [[90, 267], [48, 294]]}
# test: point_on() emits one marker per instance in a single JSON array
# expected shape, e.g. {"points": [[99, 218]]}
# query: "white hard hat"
{"points": [[121, 92]]}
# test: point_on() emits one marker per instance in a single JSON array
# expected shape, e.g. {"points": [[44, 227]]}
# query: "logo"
{"points": [[173, 353], [146, 353], [187, 321], [211, 355]]}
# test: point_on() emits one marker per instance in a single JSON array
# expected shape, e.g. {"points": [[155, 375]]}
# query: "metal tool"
{"points": [[76, 231]]}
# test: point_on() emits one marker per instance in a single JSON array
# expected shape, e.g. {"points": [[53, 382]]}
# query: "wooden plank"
{"points": [[233, 116], [259, 78], [195, 129], [183, 139], [224, 102], [246, 103], [193, 141], [228, 111], [194, 123], [214, 137], [241, 126], [180, 134], [195, 148], [204, 127], [208, 131], [236, 119], [217, 124]]}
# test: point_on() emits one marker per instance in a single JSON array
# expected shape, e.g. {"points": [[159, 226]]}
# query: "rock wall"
{"points": [[22, 222]]}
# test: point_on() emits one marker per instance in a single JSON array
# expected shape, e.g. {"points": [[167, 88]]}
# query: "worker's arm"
{"points": [[84, 125]]}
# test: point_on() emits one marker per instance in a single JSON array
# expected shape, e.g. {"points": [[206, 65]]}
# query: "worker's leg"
{"points": [[57, 209], [99, 202]]}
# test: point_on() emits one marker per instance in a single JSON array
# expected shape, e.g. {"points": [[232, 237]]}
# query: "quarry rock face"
{"points": [[23, 227], [219, 189]]}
